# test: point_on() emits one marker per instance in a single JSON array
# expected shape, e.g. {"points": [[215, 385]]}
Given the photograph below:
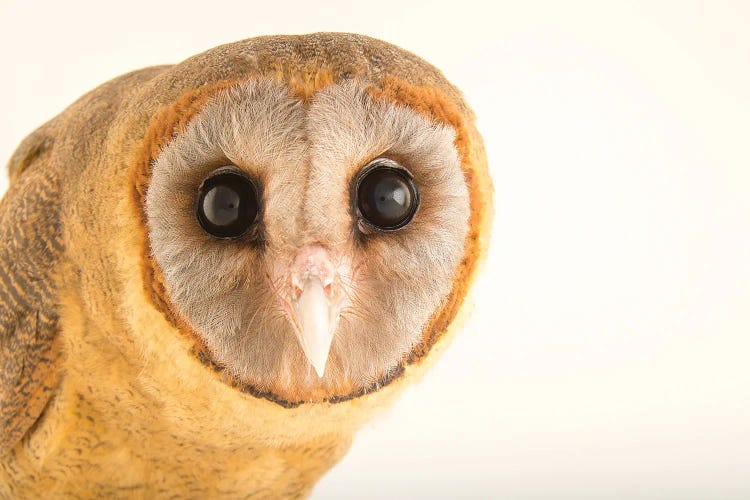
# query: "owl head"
{"points": [[313, 209]]}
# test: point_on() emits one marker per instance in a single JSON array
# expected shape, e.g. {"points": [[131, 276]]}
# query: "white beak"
{"points": [[317, 318]]}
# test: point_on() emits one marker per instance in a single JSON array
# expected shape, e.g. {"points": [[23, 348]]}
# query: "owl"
{"points": [[213, 273]]}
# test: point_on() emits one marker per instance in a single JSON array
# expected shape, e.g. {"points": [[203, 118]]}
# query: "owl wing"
{"points": [[30, 248], [41, 171]]}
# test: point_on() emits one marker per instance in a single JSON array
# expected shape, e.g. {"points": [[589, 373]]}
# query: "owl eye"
{"points": [[386, 197], [227, 203]]}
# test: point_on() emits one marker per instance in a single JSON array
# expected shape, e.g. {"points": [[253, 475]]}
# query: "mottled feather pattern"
{"points": [[30, 232]]}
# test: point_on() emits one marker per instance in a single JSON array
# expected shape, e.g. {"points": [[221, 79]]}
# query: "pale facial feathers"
{"points": [[305, 156]]}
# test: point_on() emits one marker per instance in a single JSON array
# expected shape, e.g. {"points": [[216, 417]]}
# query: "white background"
{"points": [[608, 353]]}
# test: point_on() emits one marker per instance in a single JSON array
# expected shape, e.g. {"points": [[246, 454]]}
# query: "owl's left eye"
{"points": [[227, 203], [386, 197]]}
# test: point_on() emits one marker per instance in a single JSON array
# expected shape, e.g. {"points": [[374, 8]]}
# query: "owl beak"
{"points": [[317, 317], [317, 303]]}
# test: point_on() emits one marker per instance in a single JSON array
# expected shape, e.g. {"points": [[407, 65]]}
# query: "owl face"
{"points": [[307, 242]]}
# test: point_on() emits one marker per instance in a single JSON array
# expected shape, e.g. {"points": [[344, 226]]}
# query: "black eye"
{"points": [[227, 203], [387, 199]]}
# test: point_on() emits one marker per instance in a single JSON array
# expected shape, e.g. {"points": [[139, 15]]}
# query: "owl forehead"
{"points": [[305, 152]]}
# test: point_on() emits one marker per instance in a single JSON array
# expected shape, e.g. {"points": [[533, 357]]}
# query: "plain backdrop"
{"points": [[607, 356]]}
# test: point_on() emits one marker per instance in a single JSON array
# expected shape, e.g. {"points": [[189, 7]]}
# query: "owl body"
{"points": [[143, 357]]}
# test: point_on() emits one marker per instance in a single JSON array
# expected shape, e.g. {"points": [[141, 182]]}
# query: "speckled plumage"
{"points": [[105, 390]]}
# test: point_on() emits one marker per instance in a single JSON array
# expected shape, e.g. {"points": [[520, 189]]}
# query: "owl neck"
{"points": [[107, 447], [132, 414]]}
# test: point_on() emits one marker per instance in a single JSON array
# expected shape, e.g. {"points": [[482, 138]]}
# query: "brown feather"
{"points": [[30, 360]]}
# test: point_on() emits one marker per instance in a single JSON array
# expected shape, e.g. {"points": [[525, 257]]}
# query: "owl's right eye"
{"points": [[227, 203]]}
